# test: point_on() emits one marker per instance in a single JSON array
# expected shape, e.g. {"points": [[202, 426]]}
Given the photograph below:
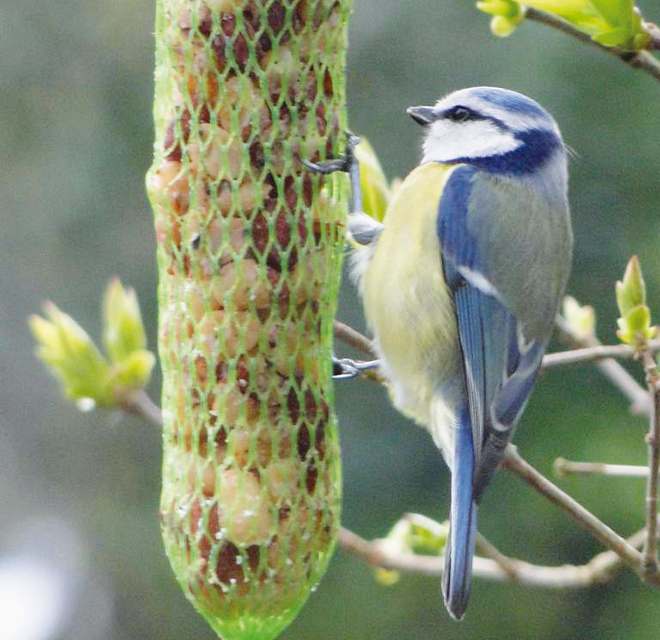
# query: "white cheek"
{"points": [[447, 141]]}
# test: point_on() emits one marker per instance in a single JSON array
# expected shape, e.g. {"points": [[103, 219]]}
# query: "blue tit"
{"points": [[461, 284]]}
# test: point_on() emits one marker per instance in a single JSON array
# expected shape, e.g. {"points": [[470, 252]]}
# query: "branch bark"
{"points": [[354, 338], [653, 441], [640, 402], [594, 353], [600, 569], [498, 566], [564, 467], [607, 536], [140, 404]]}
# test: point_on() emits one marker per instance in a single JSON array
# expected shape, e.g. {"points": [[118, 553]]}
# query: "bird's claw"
{"points": [[344, 163], [345, 368], [327, 166]]}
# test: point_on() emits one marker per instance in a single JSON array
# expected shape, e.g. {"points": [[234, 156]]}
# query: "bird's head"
{"points": [[497, 130]]}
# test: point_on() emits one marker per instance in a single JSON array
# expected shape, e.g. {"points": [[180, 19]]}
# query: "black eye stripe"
{"points": [[462, 114]]}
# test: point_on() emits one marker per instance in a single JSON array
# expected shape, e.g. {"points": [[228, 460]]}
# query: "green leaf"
{"points": [[613, 38], [631, 291], [507, 15], [135, 371], [581, 319], [72, 357], [503, 27], [375, 190], [503, 8], [427, 536], [123, 329], [639, 319], [615, 12], [609, 22]]}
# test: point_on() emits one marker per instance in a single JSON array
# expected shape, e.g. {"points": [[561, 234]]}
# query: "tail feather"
{"points": [[459, 550]]}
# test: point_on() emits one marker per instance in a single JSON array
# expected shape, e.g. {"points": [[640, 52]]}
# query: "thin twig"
{"points": [[653, 440], [563, 467], [642, 60], [589, 349], [496, 566], [654, 31], [140, 404], [354, 338], [597, 352], [587, 520], [487, 549], [600, 569], [640, 402]]}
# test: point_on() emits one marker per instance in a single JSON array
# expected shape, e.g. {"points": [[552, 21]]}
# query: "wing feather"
{"points": [[502, 336]]}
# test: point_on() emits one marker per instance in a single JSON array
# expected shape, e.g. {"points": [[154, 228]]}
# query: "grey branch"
{"points": [[498, 567], [354, 338], [653, 441], [563, 467], [643, 401], [587, 520], [593, 353], [640, 401], [493, 565], [589, 349], [140, 404]]}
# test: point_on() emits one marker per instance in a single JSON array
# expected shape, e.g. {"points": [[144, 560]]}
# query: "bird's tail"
{"points": [[463, 525]]}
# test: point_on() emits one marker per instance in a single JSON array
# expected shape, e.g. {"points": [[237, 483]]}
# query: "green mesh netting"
{"points": [[249, 253]]}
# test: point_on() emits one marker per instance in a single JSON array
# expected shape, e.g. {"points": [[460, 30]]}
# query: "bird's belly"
{"points": [[411, 314]]}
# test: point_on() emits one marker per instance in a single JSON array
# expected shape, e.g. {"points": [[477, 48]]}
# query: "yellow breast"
{"points": [[406, 300]]}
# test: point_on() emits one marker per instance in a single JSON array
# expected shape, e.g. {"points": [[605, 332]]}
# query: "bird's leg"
{"points": [[362, 228], [347, 163], [345, 368]]}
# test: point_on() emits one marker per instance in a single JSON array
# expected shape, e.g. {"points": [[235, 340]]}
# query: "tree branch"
{"points": [[354, 338], [627, 385], [653, 440], [563, 467], [593, 353], [642, 60], [485, 548], [140, 404], [589, 350], [498, 567], [654, 30], [612, 540]]}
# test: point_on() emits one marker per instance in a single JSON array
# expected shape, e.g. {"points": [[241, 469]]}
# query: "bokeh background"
{"points": [[80, 545]]}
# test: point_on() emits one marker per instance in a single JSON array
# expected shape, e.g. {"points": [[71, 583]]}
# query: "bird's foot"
{"points": [[345, 368], [344, 163]]}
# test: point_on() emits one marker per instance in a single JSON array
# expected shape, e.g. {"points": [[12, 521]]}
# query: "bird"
{"points": [[461, 283]]}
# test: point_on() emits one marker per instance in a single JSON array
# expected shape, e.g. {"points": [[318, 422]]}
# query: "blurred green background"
{"points": [[79, 492]]}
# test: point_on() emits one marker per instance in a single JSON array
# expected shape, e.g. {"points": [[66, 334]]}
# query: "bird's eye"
{"points": [[460, 114]]}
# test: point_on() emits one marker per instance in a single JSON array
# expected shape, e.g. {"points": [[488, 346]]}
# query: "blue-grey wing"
{"points": [[506, 271]]}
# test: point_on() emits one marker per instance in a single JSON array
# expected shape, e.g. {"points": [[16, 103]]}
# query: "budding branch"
{"points": [[492, 564], [621, 551], [642, 60]]}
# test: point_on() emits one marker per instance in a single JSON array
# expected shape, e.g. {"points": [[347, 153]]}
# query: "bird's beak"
{"points": [[422, 115]]}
